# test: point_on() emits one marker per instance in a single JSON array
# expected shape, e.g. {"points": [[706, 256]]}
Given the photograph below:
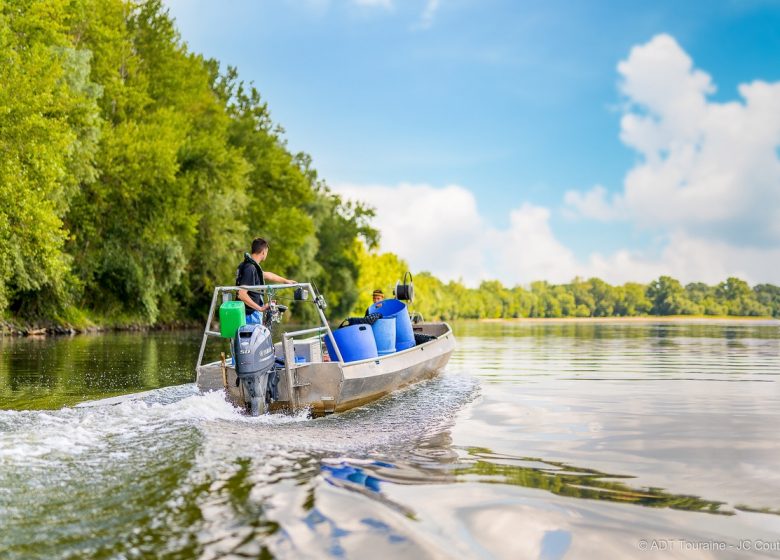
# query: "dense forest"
{"points": [[134, 174]]}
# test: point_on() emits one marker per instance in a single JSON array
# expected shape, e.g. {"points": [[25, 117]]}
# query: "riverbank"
{"points": [[12, 328], [642, 319], [18, 328]]}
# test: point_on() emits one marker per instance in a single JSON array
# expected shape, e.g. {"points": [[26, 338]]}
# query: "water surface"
{"points": [[542, 440]]}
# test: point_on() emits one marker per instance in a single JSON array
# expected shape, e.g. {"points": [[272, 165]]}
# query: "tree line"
{"points": [[593, 297], [135, 173]]}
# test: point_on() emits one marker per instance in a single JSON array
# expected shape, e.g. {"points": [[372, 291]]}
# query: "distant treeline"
{"points": [[580, 298], [134, 173]]}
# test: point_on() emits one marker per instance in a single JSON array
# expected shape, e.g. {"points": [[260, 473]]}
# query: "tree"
{"points": [[379, 271], [668, 298], [739, 299], [769, 296], [632, 300], [49, 127]]}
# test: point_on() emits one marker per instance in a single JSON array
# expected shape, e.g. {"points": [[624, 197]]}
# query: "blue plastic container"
{"points": [[404, 334], [384, 334], [356, 342]]}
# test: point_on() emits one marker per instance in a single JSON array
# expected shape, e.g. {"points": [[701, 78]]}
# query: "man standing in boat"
{"points": [[250, 273]]}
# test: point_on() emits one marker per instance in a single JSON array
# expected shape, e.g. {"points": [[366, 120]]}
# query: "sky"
{"points": [[530, 140]]}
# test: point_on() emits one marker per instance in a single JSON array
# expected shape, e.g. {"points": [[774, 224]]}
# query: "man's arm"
{"points": [[276, 279], [243, 295]]}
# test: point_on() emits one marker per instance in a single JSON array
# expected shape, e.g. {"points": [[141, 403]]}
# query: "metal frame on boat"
{"points": [[326, 386]]}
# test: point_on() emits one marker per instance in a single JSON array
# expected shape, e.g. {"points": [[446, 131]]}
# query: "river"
{"points": [[542, 440]]}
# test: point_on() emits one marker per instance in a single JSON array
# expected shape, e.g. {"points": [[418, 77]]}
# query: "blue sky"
{"points": [[499, 118]]}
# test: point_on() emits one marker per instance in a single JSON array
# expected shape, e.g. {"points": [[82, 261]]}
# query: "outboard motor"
{"points": [[254, 359]]}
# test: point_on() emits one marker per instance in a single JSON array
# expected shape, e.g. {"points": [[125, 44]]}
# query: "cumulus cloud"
{"points": [[707, 182], [707, 169], [442, 231], [688, 259], [387, 4], [708, 178], [594, 204]]}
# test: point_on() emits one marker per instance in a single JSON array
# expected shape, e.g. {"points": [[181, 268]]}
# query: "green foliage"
{"points": [[134, 174], [580, 298], [339, 226], [48, 133], [379, 271], [769, 296], [668, 298], [739, 299]]}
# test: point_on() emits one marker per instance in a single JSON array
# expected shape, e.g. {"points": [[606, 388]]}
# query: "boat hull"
{"points": [[327, 387]]}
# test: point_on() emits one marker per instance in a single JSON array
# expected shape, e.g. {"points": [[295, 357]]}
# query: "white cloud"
{"points": [[708, 183], [441, 230], [386, 4], [429, 12], [708, 169], [592, 204], [689, 259], [709, 174], [528, 250], [433, 229]]}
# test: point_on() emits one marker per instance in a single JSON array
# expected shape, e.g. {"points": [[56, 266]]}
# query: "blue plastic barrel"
{"points": [[384, 334], [404, 335], [355, 342]]}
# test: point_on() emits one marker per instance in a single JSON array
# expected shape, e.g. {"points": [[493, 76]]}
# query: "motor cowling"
{"points": [[254, 359]]}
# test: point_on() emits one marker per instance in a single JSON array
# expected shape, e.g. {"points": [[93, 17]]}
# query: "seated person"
{"points": [[250, 273], [377, 295]]}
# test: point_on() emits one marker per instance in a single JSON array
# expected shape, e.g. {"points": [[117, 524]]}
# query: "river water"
{"points": [[542, 440]]}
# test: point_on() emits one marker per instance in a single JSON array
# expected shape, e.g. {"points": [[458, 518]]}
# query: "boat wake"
{"points": [[113, 425], [169, 462]]}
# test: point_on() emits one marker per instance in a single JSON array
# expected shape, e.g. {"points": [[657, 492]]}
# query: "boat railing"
{"points": [[227, 294], [291, 365]]}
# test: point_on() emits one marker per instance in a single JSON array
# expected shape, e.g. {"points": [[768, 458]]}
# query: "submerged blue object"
{"points": [[404, 334], [355, 342]]}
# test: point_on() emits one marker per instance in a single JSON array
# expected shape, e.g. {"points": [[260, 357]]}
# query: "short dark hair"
{"points": [[377, 293], [258, 245]]}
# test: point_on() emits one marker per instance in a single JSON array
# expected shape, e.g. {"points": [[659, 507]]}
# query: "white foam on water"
{"points": [[31, 435], [160, 422], [75, 468], [72, 431]]}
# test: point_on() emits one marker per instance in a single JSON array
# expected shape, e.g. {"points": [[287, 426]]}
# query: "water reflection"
{"points": [[339, 471], [47, 373], [577, 482], [484, 466], [542, 440]]}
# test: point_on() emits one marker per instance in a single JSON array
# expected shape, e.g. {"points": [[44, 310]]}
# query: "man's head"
{"points": [[259, 249], [378, 295]]}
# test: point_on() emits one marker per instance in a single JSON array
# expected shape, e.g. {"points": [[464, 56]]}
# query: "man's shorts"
{"points": [[256, 318]]}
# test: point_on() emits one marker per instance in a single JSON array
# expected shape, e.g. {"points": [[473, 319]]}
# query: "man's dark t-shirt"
{"points": [[249, 273]]}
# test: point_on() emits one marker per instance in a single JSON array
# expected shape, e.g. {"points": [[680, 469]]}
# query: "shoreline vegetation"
{"points": [[11, 329], [135, 173], [638, 319]]}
